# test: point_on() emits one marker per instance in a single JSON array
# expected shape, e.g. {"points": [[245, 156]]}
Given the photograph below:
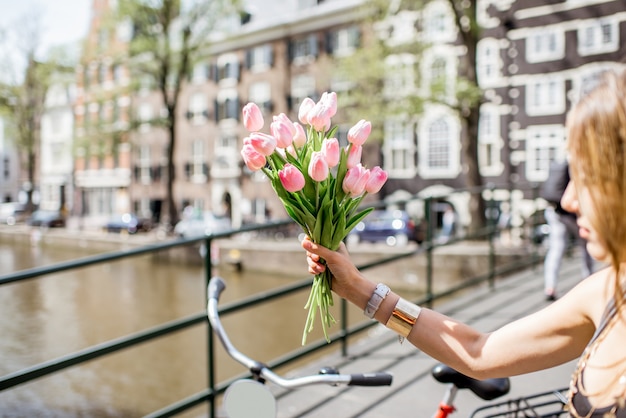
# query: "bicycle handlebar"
{"points": [[214, 290]]}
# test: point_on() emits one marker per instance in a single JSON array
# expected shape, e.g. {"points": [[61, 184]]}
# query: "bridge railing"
{"points": [[489, 233]]}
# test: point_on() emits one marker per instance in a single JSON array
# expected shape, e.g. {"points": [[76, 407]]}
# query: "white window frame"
{"points": [[196, 174], [489, 62], [144, 164], [302, 86], [490, 141], [198, 106], [399, 147], [452, 170], [544, 143], [400, 75], [545, 44], [591, 34], [145, 116], [226, 151], [445, 53], [438, 22], [261, 58], [545, 95]]}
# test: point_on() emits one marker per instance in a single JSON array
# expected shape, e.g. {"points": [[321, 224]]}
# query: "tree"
{"points": [[169, 35], [368, 70], [23, 92]]}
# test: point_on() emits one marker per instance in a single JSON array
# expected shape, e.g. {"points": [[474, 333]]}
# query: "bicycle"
{"points": [[251, 397], [547, 404]]}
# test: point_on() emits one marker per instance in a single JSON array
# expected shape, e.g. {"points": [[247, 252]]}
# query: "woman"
{"points": [[588, 322]]}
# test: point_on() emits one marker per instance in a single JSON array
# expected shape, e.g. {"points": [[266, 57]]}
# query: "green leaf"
{"points": [[357, 218]]}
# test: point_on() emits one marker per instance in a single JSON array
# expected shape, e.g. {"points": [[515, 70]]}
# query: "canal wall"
{"points": [[451, 264]]}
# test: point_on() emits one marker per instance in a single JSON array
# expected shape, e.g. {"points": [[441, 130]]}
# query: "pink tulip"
{"points": [[355, 180], [291, 178], [263, 143], [305, 107], [252, 117], [318, 167], [319, 116], [330, 101], [377, 179], [358, 134], [330, 149], [284, 119], [354, 155], [282, 132], [253, 159], [299, 139]]}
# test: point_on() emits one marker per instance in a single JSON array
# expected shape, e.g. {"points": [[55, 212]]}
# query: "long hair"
{"points": [[597, 141]]}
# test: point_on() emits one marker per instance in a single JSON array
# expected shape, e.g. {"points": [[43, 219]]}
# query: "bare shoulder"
{"points": [[592, 294]]}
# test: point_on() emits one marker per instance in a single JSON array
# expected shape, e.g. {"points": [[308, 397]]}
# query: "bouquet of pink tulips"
{"points": [[319, 184]]}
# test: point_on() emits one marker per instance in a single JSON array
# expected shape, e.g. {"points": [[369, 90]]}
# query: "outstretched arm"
{"points": [[544, 339]]}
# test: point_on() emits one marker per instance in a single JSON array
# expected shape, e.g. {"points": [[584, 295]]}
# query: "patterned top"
{"points": [[579, 401]]}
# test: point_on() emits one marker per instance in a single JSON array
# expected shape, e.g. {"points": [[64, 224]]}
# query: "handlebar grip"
{"points": [[215, 288], [370, 379]]}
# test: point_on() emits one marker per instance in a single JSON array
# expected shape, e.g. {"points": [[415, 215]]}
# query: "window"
{"points": [[545, 95], [438, 74], [547, 44], [197, 112], [198, 172], [400, 76], [144, 164], [543, 145], [261, 94], [302, 86], [399, 148], [586, 80], [439, 144], [489, 141], [260, 58], [597, 36], [488, 62], [102, 73], [438, 22], [303, 50], [200, 73], [225, 163], [227, 105], [343, 42], [227, 68], [145, 116]]}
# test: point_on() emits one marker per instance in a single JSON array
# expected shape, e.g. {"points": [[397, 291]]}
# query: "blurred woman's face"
{"points": [[577, 199]]}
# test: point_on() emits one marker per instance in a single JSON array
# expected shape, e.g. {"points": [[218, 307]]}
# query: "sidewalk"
{"points": [[414, 393]]}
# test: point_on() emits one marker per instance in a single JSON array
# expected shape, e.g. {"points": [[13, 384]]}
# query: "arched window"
{"points": [[439, 144]]}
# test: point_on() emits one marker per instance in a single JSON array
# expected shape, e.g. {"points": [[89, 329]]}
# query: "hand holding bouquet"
{"points": [[320, 184]]}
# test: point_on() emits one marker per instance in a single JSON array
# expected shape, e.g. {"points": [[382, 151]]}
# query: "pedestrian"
{"points": [[588, 322], [448, 224], [563, 229]]}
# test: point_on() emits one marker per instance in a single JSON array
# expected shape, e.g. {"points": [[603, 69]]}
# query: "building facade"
{"points": [[534, 60]]}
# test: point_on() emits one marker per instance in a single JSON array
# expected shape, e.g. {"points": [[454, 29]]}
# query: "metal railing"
{"points": [[215, 388]]}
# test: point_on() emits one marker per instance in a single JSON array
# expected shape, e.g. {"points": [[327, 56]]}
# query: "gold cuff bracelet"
{"points": [[403, 317]]}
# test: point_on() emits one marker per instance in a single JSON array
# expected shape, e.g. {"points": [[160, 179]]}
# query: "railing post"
{"points": [[208, 269], [429, 251], [491, 230], [344, 327]]}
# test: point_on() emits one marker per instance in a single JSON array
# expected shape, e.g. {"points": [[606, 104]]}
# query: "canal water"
{"points": [[43, 319]]}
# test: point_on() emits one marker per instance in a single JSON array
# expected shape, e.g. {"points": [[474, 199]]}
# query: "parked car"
{"points": [[394, 227], [47, 218], [202, 224], [12, 213], [128, 222]]}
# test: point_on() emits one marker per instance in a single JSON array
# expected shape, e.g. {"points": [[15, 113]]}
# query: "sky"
{"points": [[63, 21]]}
